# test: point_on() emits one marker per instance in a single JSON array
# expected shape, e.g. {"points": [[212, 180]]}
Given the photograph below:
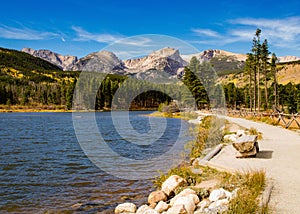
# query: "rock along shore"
{"points": [[187, 201]]}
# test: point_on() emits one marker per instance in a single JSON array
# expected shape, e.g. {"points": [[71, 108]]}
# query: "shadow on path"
{"points": [[265, 154]]}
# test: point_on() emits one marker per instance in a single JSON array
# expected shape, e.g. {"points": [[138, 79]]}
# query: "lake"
{"points": [[43, 167]]}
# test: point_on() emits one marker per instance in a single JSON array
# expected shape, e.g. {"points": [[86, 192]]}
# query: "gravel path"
{"points": [[279, 156]]}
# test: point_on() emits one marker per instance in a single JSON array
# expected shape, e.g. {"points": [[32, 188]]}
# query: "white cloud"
{"points": [[240, 35], [287, 29], [283, 33], [206, 32], [136, 41], [83, 35], [24, 33]]}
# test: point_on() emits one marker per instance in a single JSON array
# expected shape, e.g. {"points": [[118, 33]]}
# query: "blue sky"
{"points": [[80, 27]]}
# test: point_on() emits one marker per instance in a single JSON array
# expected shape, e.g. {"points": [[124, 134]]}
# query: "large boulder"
{"points": [[162, 206], [219, 209], [151, 211], [219, 203], [184, 193], [142, 209], [187, 202], [246, 145], [145, 209], [202, 205], [177, 209], [156, 197], [125, 208], [172, 183], [219, 194]]}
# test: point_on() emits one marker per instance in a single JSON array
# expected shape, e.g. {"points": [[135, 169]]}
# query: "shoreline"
{"points": [[192, 186], [38, 108], [57, 109]]}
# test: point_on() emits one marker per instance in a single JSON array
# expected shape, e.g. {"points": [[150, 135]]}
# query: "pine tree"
{"points": [[194, 82], [254, 47], [250, 69], [256, 50], [274, 73], [265, 63]]}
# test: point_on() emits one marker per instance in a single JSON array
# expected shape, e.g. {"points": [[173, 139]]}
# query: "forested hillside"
{"points": [[29, 81]]}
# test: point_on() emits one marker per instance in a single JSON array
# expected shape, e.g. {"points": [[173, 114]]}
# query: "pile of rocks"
{"points": [[186, 202]]}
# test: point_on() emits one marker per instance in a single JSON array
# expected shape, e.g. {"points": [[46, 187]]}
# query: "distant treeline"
{"points": [[36, 93], [22, 92], [288, 97]]}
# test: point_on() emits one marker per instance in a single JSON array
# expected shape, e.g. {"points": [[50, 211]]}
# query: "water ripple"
{"points": [[43, 168]]}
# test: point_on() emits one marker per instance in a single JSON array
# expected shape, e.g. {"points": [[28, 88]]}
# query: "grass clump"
{"points": [[251, 186], [209, 133], [253, 131]]}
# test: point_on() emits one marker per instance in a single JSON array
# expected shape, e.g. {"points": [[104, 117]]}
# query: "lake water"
{"points": [[44, 169]]}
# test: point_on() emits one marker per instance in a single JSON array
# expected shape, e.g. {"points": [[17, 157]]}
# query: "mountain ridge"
{"points": [[166, 62], [68, 62]]}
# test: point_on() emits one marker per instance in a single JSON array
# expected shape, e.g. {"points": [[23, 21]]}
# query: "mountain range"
{"points": [[163, 63]]}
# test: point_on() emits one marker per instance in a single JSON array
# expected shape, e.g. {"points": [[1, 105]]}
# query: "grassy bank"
{"points": [[51, 108], [178, 115], [250, 186], [37, 108]]}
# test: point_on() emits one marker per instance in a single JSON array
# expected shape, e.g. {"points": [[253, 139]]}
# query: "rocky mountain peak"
{"points": [[28, 50], [64, 62], [170, 53], [208, 55], [102, 61], [167, 60], [105, 55], [288, 59], [165, 52]]}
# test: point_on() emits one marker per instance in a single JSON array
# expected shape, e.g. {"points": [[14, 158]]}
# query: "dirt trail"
{"points": [[279, 156]]}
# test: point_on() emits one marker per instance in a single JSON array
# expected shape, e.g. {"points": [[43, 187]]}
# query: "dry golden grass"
{"points": [[286, 74], [289, 73], [37, 108], [251, 187], [179, 115]]}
